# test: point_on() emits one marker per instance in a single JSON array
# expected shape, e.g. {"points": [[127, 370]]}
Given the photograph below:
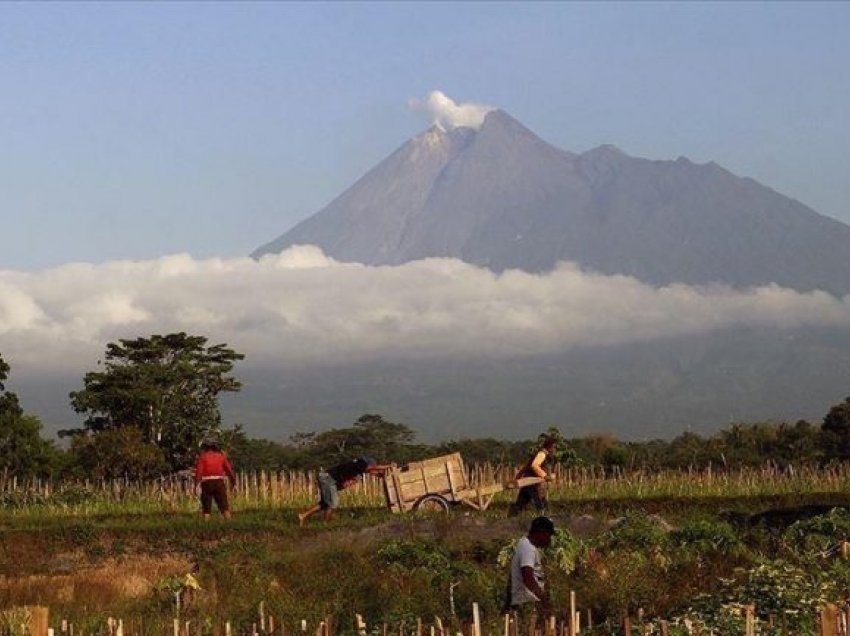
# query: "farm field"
{"points": [[691, 548]]}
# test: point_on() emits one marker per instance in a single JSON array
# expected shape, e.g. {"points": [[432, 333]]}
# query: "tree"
{"points": [[167, 387], [22, 450], [836, 431], [371, 435], [117, 453]]}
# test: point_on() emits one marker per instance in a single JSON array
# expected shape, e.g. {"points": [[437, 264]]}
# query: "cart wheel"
{"points": [[432, 503]]}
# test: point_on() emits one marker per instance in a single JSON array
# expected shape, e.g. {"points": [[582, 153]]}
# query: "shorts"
{"points": [[214, 490], [328, 493]]}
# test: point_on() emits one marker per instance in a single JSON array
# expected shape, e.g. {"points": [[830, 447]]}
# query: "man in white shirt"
{"points": [[529, 598]]}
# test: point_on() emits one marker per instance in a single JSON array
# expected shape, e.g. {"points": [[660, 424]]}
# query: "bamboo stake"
{"points": [[38, 621], [750, 621], [573, 615], [829, 620]]}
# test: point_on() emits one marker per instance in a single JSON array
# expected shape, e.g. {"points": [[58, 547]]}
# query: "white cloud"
{"points": [[443, 111], [301, 306]]}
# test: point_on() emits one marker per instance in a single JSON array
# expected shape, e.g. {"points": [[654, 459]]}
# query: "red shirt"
{"points": [[213, 464]]}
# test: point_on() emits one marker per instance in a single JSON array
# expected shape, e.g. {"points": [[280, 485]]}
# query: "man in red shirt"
{"points": [[211, 472]]}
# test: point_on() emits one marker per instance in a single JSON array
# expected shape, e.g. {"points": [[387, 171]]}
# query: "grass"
{"points": [[288, 491], [90, 551]]}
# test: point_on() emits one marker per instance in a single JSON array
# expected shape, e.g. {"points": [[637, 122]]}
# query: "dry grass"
{"points": [[109, 582]]}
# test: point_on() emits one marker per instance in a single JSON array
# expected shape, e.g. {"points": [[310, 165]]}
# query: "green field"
{"points": [[700, 545]]}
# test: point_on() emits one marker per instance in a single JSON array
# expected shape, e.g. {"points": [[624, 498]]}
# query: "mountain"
{"points": [[503, 198], [636, 391]]}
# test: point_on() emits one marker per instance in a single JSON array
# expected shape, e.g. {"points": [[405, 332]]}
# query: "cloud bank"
{"points": [[444, 112], [302, 307]]}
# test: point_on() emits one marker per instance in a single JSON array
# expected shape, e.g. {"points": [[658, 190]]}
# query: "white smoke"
{"points": [[301, 306], [446, 113]]}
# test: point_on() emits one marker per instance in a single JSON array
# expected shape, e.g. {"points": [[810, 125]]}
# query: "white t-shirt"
{"points": [[525, 555]]}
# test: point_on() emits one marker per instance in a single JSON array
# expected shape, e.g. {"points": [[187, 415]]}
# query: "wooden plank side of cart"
{"points": [[406, 485], [444, 476]]}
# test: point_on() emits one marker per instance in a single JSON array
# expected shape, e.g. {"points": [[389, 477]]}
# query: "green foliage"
{"points": [[371, 435], [636, 530], [117, 453], [708, 536], [836, 431], [167, 387], [779, 589], [22, 450], [819, 536], [565, 552]]}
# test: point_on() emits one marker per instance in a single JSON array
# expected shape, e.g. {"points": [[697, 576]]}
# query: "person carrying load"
{"points": [[534, 467]]}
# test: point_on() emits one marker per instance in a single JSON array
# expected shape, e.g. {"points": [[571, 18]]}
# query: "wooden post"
{"points": [[627, 626], [476, 620], [663, 628], [573, 615], [750, 625], [38, 621], [439, 623], [507, 624], [829, 620], [176, 627], [418, 626], [359, 625]]}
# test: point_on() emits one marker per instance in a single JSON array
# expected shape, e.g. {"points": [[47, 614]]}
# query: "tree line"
{"points": [[153, 399]]}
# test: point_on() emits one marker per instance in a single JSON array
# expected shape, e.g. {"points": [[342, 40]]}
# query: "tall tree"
{"points": [[22, 450], [836, 431], [165, 386]]}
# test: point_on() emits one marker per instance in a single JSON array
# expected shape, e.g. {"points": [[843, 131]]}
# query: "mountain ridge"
{"points": [[503, 198]]}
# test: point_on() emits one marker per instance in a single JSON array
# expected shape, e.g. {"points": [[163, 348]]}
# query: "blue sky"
{"points": [[137, 130]]}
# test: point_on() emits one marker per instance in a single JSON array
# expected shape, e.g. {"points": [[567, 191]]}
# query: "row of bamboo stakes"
{"points": [[833, 622], [292, 485]]}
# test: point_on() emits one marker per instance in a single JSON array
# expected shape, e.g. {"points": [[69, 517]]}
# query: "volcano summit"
{"points": [[502, 198]]}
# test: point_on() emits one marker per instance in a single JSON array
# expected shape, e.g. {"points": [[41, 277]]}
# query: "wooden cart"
{"points": [[435, 484]]}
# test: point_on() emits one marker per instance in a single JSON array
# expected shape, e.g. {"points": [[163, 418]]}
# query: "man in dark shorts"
{"points": [[211, 473], [337, 478]]}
